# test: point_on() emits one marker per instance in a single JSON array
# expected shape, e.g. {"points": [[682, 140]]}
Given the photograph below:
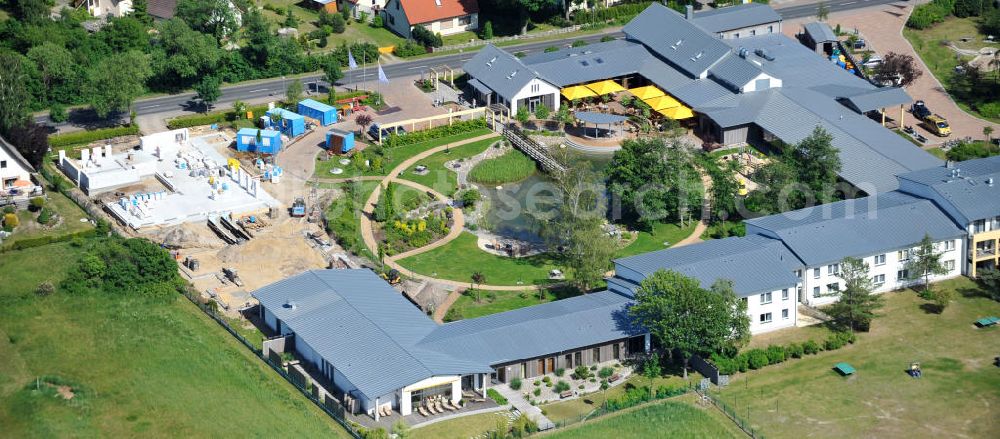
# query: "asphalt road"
{"points": [[276, 87]]}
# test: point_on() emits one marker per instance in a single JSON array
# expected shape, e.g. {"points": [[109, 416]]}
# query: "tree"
{"points": [[653, 180], [941, 298], [294, 91], [478, 278], [989, 281], [725, 189], [526, 7], [31, 11], [208, 90], [337, 24], [31, 140], [116, 81], [522, 115], [331, 70], [822, 11], [542, 112], [363, 120], [651, 370], [184, 56], [688, 318], [817, 163], [57, 113], [290, 20], [14, 95], [386, 209], [125, 33], [988, 132], [240, 108], [968, 8], [140, 10], [377, 22], [488, 30], [856, 304], [55, 64], [924, 262], [899, 66], [588, 254], [213, 17]]}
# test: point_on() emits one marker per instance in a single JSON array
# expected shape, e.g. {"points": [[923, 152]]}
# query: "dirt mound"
{"points": [[188, 236], [274, 254]]}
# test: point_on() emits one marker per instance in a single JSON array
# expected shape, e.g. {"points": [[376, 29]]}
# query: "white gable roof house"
{"points": [[15, 175]]}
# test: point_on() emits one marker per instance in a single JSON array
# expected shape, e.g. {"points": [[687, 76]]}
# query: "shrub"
{"points": [[537, 392], [551, 49], [45, 216], [605, 372], [11, 220], [435, 133], [470, 197], [84, 137], [488, 30], [810, 347], [561, 386], [425, 37], [579, 43], [515, 384], [989, 109], [581, 372], [409, 48], [775, 354], [560, 372], [377, 22], [496, 396], [758, 358], [537, 383], [37, 203], [547, 379], [607, 38], [45, 288], [794, 350], [57, 113]]}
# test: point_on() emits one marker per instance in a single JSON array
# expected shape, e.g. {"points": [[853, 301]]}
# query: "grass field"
{"points": [[458, 259], [653, 241], [501, 301], [512, 166], [670, 419], [460, 428], [353, 32], [958, 395], [939, 153], [344, 216], [396, 155], [136, 368], [438, 177], [941, 60], [576, 408], [58, 203]]}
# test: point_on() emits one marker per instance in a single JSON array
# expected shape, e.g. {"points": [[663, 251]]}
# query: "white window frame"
{"points": [[833, 269], [784, 314], [878, 280], [835, 289], [766, 318], [903, 255], [949, 265], [880, 259], [784, 294], [766, 298], [816, 292], [816, 273]]}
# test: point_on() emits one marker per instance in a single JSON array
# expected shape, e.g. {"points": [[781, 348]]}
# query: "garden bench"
{"points": [[987, 321], [844, 369], [566, 394], [614, 378]]}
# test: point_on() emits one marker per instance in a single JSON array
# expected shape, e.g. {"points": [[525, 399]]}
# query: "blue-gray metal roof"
{"points": [[599, 118], [593, 62], [362, 327], [755, 264], [500, 71], [476, 84], [799, 67], [735, 71], [735, 17], [553, 327], [860, 227], [878, 99], [672, 37], [820, 32], [968, 193]]}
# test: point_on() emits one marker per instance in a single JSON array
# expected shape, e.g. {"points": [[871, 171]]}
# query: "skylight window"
{"points": [[437, 2]]}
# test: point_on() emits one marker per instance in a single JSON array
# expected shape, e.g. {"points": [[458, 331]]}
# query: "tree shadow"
{"points": [[931, 308], [969, 292]]}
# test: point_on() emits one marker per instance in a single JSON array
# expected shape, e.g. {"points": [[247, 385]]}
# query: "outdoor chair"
{"points": [[430, 408], [437, 405], [447, 405], [422, 410]]}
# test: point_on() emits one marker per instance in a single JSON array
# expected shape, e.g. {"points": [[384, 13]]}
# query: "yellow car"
{"points": [[938, 125]]}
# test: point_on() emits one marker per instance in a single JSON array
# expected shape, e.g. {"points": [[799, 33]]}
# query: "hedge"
{"points": [[638, 395], [84, 137], [929, 14], [773, 354], [619, 13], [195, 120], [496, 396], [435, 133], [26, 243]]}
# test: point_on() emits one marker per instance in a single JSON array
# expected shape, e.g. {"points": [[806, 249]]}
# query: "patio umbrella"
{"points": [[677, 113], [577, 92], [647, 92], [662, 102], [605, 87]]}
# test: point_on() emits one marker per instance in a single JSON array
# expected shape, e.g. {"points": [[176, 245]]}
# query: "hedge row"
{"points": [[26, 243], [929, 14], [435, 133], [638, 395], [84, 137], [195, 120], [757, 358], [619, 13]]}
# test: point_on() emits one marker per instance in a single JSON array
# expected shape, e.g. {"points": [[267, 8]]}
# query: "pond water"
{"points": [[516, 208]]}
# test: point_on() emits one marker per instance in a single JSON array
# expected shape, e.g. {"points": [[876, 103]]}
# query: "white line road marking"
{"points": [[848, 3], [257, 90], [416, 67]]}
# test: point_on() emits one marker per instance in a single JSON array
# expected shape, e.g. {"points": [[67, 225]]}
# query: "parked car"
{"points": [[872, 62], [919, 110], [938, 125], [859, 44], [375, 128]]}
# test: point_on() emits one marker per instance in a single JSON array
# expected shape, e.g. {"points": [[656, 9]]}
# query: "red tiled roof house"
{"points": [[445, 17]]}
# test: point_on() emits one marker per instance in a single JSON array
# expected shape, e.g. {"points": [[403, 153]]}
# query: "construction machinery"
{"points": [[299, 208], [233, 276]]}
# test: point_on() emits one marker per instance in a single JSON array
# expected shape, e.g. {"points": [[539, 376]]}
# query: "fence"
{"points": [[732, 415], [331, 407], [477, 43], [709, 371]]}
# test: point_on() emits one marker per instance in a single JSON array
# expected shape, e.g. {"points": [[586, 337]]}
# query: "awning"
{"points": [[662, 102], [479, 86], [677, 113], [599, 118], [606, 86], [577, 92], [647, 92]]}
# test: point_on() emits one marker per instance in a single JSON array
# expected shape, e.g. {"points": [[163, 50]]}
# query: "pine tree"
{"points": [[857, 302]]}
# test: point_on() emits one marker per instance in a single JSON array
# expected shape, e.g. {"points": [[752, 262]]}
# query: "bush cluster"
{"points": [[195, 120], [929, 14], [409, 48], [435, 133], [637, 395], [618, 13], [496, 396], [84, 137], [773, 354], [425, 37]]}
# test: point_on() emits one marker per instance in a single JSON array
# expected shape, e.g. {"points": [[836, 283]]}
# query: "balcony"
{"points": [[985, 252]]}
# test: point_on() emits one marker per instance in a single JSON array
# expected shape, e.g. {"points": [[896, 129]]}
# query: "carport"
{"points": [[879, 100]]}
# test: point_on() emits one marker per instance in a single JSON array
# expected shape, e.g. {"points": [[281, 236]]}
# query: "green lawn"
{"points": [[939, 153], [512, 166], [576, 408], [653, 241], [58, 203], [670, 419], [958, 395], [941, 60], [492, 302], [344, 215], [459, 428], [439, 178], [395, 156], [136, 368], [308, 16], [458, 259]]}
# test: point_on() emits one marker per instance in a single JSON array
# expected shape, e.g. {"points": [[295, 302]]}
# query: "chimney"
{"points": [[948, 164], [989, 182], [689, 12]]}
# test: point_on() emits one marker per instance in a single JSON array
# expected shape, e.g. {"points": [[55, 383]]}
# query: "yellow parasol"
{"points": [[662, 102], [677, 113], [647, 92], [577, 92], [606, 86]]}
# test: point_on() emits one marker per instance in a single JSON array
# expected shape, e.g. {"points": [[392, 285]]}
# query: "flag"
{"points": [[351, 63], [381, 75]]}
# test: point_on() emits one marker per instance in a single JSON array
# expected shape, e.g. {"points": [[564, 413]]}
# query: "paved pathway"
{"points": [[706, 213], [533, 412], [442, 309]]}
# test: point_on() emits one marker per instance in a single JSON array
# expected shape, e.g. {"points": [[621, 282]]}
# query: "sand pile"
{"points": [[273, 254], [188, 236]]}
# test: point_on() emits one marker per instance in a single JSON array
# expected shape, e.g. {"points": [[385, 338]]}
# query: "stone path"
{"points": [[706, 213], [442, 308], [534, 413]]}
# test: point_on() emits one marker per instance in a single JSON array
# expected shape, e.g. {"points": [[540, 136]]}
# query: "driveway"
{"points": [[882, 26]]}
